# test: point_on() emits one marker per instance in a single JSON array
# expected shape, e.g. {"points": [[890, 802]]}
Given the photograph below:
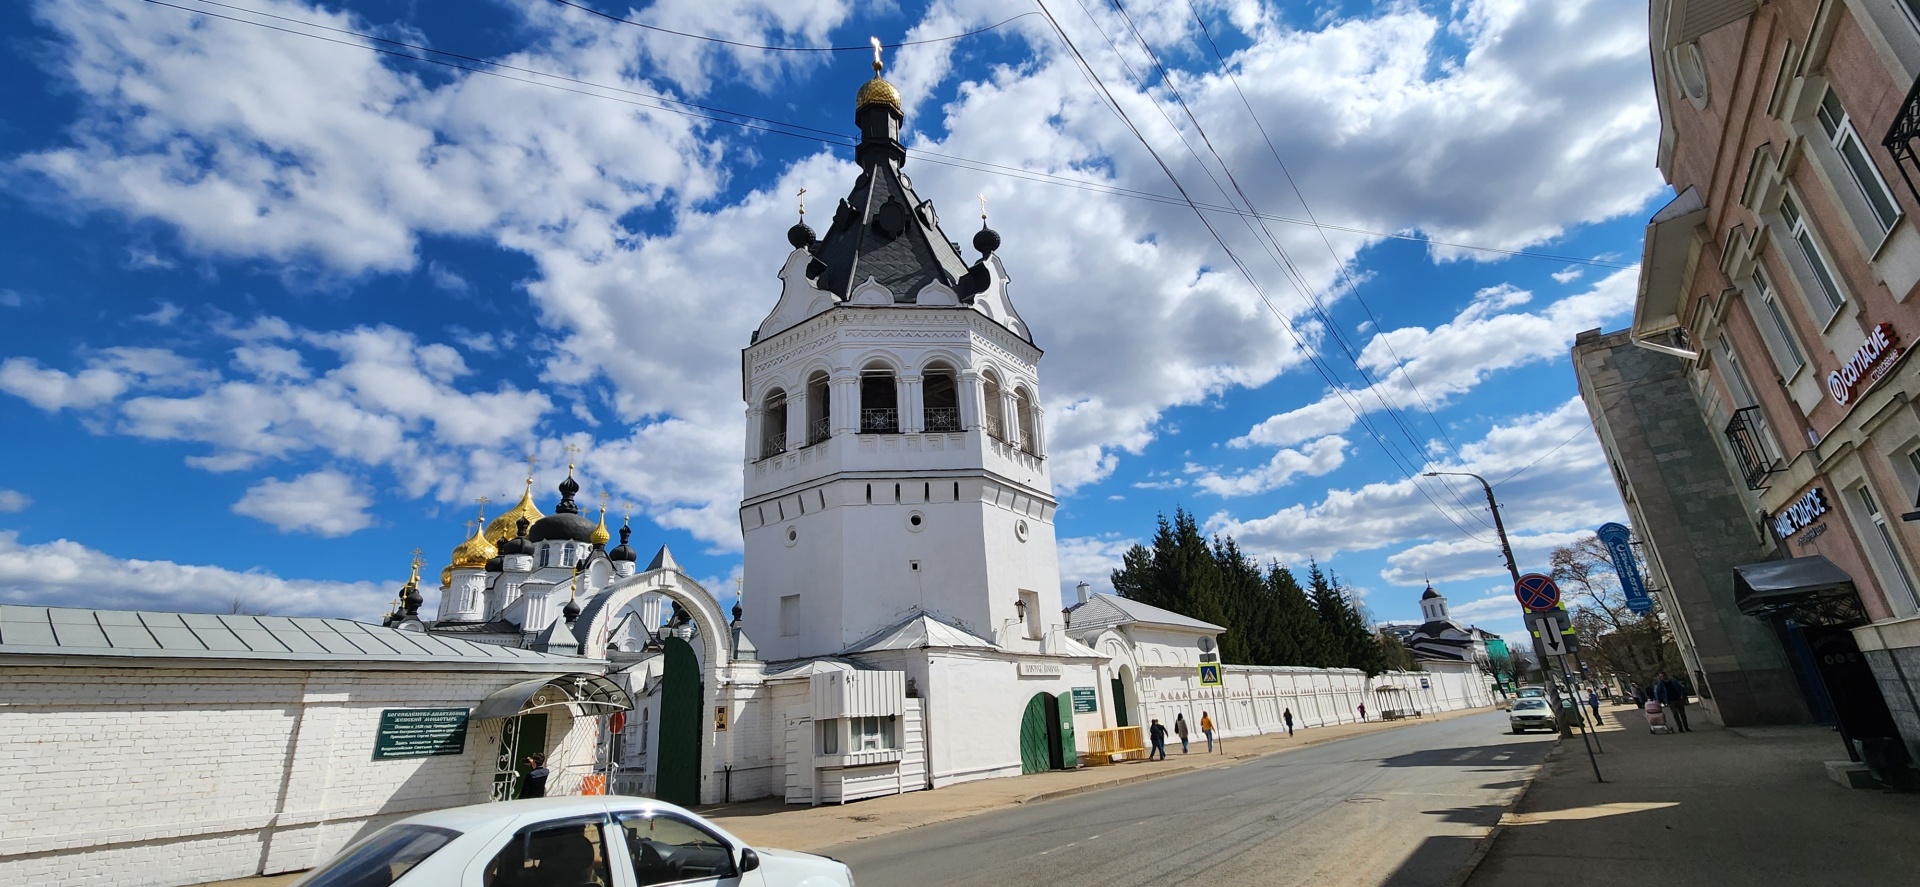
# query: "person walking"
{"points": [[1158, 734], [1180, 730], [1287, 715], [1363, 711], [536, 786], [1593, 702], [1673, 697], [1206, 729]]}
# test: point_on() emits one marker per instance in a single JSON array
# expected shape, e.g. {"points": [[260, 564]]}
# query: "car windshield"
{"points": [[382, 859], [1529, 705], [1532, 693]]}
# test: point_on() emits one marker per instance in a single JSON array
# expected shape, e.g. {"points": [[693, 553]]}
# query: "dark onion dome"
{"points": [[624, 552], [986, 240], [565, 524], [800, 236], [571, 611], [497, 564], [1430, 594], [518, 544]]}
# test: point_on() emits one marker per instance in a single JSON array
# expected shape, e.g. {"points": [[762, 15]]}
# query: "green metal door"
{"points": [[1036, 754], [523, 737], [682, 707], [1120, 705], [1069, 750]]}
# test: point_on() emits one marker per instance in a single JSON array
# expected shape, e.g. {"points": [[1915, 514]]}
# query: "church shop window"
{"points": [[773, 424], [819, 409], [1846, 143], [1029, 428], [996, 406], [942, 398], [879, 404]]}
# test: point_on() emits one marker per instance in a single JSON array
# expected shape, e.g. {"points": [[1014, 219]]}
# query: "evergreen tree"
{"points": [[1357, 645], [1298, 638]]}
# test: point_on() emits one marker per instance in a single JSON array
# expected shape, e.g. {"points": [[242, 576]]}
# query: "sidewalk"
{"points": [[770, 823], [1747, 806]]}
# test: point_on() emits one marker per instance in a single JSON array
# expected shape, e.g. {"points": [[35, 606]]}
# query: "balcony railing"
{"points": [[943, 419], [1746, 437], [996, 428], [773, 444], [880, 420], [1901, 136], [820, 429]]}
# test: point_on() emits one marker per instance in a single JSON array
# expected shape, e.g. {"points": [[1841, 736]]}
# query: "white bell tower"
{"points": [[896, 452], [1433, 606]]}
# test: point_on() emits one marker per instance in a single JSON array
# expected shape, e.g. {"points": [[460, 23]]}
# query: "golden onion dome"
{"points": [[507, 525], [877, 92], [446, 577], [473, 554], [600, 535]]}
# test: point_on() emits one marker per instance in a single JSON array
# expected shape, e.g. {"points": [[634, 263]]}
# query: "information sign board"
{"points": [[1085, 700], [420, 733]]}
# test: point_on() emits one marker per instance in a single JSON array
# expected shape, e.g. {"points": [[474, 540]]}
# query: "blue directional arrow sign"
{"points": [[1537, 592]]}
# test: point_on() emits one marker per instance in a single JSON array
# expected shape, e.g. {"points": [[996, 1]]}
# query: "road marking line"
{"points": [[1467, 755]]}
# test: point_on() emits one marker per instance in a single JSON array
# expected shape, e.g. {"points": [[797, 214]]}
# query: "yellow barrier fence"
{"points": [[1115, 744]]}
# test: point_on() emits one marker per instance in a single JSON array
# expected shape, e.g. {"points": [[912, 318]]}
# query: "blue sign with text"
{"points": [[1619, 543]]}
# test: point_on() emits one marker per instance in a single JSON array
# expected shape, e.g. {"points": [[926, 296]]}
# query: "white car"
{"points": [[1531, 714], [595, 841]]}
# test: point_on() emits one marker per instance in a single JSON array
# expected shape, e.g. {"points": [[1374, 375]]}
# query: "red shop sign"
{"points": [[1874, 357]]}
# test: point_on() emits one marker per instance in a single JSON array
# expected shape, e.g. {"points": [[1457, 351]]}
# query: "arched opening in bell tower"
{"points": [[1023, 404], [996, 407], [879, 404], [773, 424], [942, 396], [819, 408]]}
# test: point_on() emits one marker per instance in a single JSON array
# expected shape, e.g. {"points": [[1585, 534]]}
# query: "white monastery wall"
{"points": [[968, 692], [219, 773]]}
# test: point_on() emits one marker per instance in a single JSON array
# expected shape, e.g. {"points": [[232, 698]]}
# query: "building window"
{"points": [[1888, 549], [996, 419], [546, 555], [819, 408], [1853, 154], [942, 398], [1775, 329], [1029, 426], [872, 734], [789, 615], [1031, 610], [879, 404], [1822, 272], [1690, 70], [1748, 416], [773, 424], [829, 730], [566, 555]]}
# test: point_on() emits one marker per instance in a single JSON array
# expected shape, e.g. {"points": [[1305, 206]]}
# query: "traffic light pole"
{"points": [[1539, 651]]}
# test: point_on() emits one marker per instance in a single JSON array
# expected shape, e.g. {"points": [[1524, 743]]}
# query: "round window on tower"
{"points": [[793, 536], [1020, 530], [916, 522]]}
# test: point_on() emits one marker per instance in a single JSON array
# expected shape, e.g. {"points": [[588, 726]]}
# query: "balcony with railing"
{"points": [[773, 444], [880, 420], [819, 429], [1901, 136], [943, 419], [1746, 436], [996, 429]]}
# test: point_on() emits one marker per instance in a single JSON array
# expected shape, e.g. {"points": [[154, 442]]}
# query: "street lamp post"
{"points": [[1539, 652]]}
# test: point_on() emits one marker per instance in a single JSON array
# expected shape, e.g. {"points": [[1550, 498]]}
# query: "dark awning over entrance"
{"points": [[596, 694], [1772, 586]]}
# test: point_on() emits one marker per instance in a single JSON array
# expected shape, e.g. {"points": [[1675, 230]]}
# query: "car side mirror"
{"points": [[749, 860]]}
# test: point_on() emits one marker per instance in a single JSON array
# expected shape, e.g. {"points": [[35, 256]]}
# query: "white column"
{"points": [[969, 399], [753, 433], [907, 397], [846, 402], [797, 418]]}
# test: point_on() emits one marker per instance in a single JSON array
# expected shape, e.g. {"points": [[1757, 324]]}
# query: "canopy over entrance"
{"points": [[597, 694], [1792, 586]]}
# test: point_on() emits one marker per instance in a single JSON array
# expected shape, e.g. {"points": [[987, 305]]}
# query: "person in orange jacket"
{"points": [[1206, 727]]}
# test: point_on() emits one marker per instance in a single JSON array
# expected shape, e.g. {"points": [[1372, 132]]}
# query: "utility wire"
{"points": [[1252, 281], [1543, 456], [1271, 244], [829, 138], [864, 47]]}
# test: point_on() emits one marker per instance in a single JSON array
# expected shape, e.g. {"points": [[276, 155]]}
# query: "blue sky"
{"points": [[282, 307]]}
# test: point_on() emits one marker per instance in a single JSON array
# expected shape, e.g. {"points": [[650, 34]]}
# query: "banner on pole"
{"points": [[1619, 542]]}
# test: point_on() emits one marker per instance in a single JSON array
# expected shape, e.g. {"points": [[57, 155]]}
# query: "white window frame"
{"points": [[566, 555], [1740, 386], [871, 733], [1824, 277], [1846, 143], [1889, 549], [1781, 342]]}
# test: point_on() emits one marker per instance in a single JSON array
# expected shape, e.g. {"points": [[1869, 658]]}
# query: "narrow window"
{"points": [[1032, 601], [956, 491], [773, 424], [1816, 260], [879, 413], [1846, 143], [926, 492], [789, 615], [942, 398], [869, 494], [546, 555], [1775, 329], [566, 555], [1888, 549], [896, 494], [1744, 399], [829, 736], [996, 408], [1029, 425]]}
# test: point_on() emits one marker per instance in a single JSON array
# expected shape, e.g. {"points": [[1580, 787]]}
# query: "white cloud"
{"points": [[12, 501], [1568, 274], [1089, 559], [325, 503], [65, 574], [1314, 459]]}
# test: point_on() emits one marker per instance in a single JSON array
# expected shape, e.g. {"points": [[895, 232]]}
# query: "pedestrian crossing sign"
{"points": [[1210, 674]]}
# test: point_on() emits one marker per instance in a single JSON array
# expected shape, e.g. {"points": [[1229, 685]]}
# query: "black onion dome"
{"points": [[624, 552], [561, 527], [518, 544], [986, 240], [800, 236], [1430, 593], [568, 487], [497, 564], [571, 611]]}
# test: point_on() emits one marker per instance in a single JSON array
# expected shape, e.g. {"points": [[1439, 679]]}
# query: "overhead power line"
{"points": [[715, 114], [864, 47]]}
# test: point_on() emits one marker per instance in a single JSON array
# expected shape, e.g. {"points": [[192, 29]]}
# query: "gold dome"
{"points": [[600, 535], [446, 577], [472, 554], [507, 525], [878, 92]]}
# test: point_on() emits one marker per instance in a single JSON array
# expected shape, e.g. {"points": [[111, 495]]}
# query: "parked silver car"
{"points": [[1531, 714], [568, 842]]}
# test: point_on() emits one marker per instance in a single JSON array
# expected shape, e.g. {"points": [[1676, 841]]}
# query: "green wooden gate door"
{"points": [[1036, 754], [1120, 705], [1069, 749], [682, 707]]}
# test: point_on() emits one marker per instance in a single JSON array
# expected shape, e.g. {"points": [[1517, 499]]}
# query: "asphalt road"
{"points": [[1400, 807]]}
